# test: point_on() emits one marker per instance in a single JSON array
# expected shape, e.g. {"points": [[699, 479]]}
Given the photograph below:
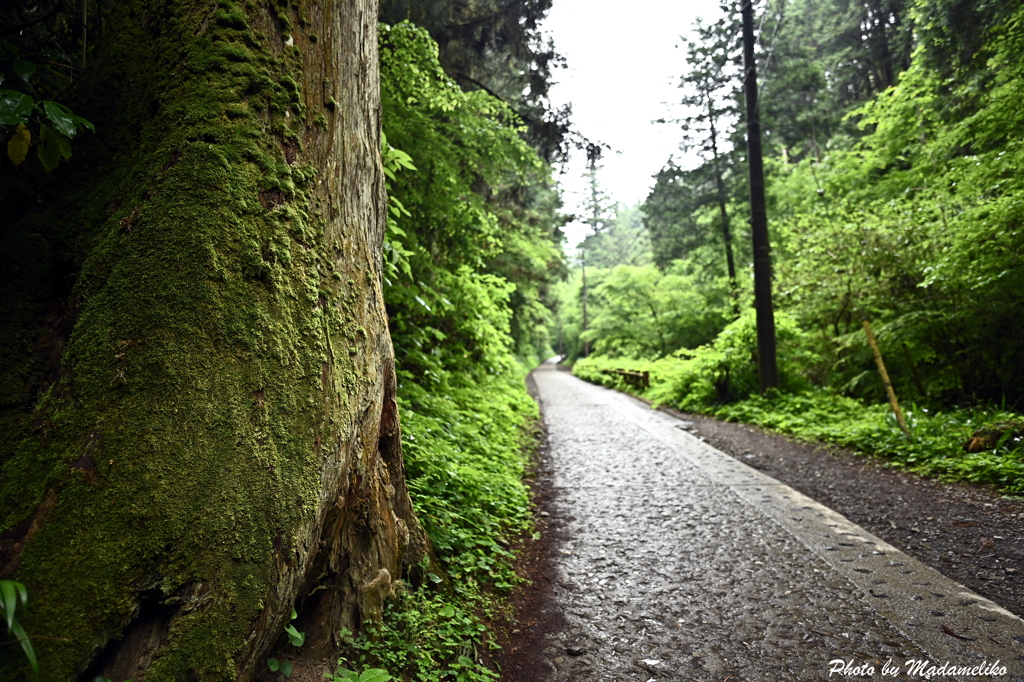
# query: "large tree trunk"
{"points": [[199, 426]]}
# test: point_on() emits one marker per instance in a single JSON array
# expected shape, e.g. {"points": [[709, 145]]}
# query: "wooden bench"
{"points": [[641, 380]]}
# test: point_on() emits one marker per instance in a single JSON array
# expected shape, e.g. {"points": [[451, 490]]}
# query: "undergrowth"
{"points": [[937, 444], [466, 450], [977, 445]]}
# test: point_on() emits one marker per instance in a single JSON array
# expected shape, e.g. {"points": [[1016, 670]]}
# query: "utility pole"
{"points": [[767, 369], [583, 263], [596, 223]]}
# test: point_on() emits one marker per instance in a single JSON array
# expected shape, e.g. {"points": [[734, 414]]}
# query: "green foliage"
{"points": [[425, 637], [396, 257], [481, 222], [495, 46], [284, 667], [826, 57], [471, 249], [296, 639], [642, 312], [936, 444], [930, 213], [722, 371], [11, 592], [26, 105], [368, 675], [464, 462], [463, 448], [906, 211]]}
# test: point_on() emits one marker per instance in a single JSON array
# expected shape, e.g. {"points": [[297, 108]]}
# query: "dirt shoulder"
{"points": [[533, 615]]}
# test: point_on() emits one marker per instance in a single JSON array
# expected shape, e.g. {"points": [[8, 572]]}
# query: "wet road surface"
{"points": [[682, 563]]}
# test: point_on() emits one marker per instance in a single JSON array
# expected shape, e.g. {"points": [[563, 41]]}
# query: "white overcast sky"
{"points": [[624, 60]]}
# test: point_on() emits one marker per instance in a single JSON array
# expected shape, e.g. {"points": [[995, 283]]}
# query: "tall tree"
{"points": [[624, 242], [199, 424], [767, 369], [671, 210], [598, 204], [711, 93], [597, 218]]}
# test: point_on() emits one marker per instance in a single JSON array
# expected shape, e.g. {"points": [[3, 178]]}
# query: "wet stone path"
{"points": [[682, 563]]}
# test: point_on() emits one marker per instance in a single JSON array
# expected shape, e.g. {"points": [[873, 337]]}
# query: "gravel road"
{"points": [[681, 563]]}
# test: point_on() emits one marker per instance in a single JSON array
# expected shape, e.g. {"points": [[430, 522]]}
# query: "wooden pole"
{"points": [[767, 367], [885, 376]]}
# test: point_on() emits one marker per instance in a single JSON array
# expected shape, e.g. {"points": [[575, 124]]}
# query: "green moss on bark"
{"points": [[180, 450]]}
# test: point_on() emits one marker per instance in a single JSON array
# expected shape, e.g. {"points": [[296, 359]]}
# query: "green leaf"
{"points": [[63, 120], [374, 675], [294, 636], [294, 614], [82, 122], [286, 668], [49, 148], [64, 144], [10, 590], [447, 612], [26, 645], [273, 664], [15, 107], [24, 69], [402, 159]]}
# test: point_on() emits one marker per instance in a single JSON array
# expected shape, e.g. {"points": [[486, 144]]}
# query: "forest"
{"points": [[263, 400], [890, 143]]}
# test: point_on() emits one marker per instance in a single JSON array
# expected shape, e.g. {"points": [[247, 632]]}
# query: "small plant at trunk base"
{"points": [[424, 637], [296, 639], [284, 667], [11, 593], [368, 675]]}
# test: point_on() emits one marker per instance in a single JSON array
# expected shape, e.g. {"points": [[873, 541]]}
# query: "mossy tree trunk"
{"points": [[199, 426]]}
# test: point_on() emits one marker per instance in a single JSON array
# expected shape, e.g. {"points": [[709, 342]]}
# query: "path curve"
{"points": [[682, 563]]}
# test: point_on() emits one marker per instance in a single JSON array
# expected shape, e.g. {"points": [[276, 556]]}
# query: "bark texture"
{"points": [[199, 426]]}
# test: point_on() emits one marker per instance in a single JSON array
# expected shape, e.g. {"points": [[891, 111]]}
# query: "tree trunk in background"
{"points": [[199, 425], [767, 367]]}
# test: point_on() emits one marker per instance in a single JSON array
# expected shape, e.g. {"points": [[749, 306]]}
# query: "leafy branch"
{"points": [[53, 122]]}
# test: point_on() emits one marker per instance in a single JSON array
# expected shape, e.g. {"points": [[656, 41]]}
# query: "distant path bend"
{"points": [[683, 563]]}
